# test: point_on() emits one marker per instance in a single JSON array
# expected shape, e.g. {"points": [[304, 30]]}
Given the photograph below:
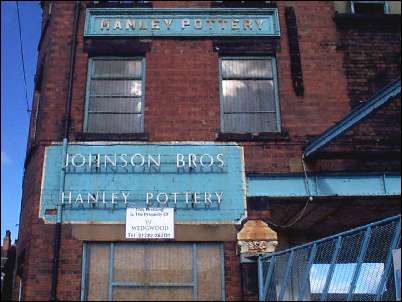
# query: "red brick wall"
{"points": [[233, 288], [372, 59], [35, 237], [55, 78], [181, 98], [191, 67], [181, 103], [325, 99], [373, 145], [69, 277], [372, 55]]}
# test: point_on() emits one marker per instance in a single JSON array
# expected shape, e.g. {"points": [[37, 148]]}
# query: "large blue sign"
{"points": [[181, 22], [203, 182]]}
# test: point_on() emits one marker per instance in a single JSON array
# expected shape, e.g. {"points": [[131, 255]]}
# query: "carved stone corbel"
{"points": [[256, 238]]}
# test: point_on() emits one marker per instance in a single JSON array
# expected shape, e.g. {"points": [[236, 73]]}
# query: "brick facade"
{"points": [[372, 54], [182, 103]]}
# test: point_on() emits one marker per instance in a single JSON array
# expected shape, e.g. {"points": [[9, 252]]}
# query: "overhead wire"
{"points": [[22, 58], [300, 214]]}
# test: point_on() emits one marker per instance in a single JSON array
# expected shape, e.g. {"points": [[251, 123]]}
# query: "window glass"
{"points": [[250, 122], [249, 101], [114, 123], [369, 7], [246, 68], [117, 68], [115, 100], [259, 96]]}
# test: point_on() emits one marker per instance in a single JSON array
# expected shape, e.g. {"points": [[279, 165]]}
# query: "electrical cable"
{"points": [[299, 215], [22, 58]]}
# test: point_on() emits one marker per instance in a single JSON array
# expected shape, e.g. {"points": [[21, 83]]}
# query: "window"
{"points": [[249, 95], [153, 271], [49, 12], [34, 118], [369, 7], [114, 102]]}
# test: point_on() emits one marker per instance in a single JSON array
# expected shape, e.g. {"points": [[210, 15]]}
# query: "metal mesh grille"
{"points": [[351, 266]]}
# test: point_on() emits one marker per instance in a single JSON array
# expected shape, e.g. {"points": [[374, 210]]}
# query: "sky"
{"points": [[367, 281], [14, 117]]}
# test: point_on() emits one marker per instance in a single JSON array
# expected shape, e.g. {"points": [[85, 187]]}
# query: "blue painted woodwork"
{"points": [[354, 117], [169, 22], [229, 180], [112, 283], [323, 185]]}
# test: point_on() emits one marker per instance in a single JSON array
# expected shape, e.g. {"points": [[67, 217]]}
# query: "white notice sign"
{"points": [[150, 223]]}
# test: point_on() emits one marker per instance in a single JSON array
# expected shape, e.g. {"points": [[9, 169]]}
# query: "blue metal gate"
{"points": [[353, 265]]}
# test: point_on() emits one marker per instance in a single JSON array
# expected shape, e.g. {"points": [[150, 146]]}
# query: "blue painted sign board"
{"points": [[181, 22], [204, 182]]}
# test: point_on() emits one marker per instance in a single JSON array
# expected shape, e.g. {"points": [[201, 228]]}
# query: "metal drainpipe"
{"points": [[57, 236]]}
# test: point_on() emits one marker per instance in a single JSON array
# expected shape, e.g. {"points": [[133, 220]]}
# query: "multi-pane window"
{"points": [[249, 95], [369, 7], [34, 117], [114, 96], [153, 271]]}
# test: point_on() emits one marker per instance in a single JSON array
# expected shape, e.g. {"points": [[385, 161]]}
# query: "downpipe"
{"points": [[57, 233]]}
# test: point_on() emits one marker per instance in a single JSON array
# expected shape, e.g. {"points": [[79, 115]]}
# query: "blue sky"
{"points": [[14, 118], [367, 281]]}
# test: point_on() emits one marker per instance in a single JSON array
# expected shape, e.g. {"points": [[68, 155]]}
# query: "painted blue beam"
{"points": [[354, 117], [323, 185]]}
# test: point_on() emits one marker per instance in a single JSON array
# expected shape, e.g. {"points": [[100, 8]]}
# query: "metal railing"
{"points": [[353, 265]]}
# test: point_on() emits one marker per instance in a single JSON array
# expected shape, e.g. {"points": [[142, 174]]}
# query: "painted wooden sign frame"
{"points": [[145, 22], [101, 191]]}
